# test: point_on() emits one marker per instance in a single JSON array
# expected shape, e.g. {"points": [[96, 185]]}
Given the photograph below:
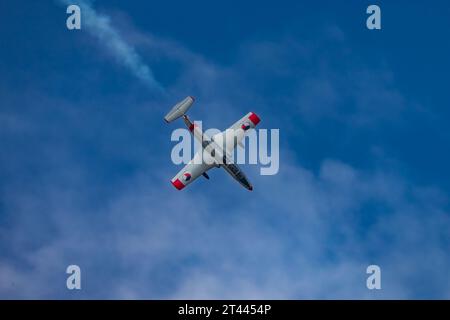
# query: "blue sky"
{"points": [[85, 163]]}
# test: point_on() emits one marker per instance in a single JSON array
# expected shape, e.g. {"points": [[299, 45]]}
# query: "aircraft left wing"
{"points": [[191, 171]]}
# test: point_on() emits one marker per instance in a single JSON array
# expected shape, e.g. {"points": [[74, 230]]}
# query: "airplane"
{"points": [[216, 150]]}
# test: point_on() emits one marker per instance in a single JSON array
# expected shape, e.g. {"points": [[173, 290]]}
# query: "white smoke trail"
{"points": [[99, 26]]}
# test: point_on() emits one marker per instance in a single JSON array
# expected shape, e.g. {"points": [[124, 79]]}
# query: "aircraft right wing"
{"points": [[237, 131]]}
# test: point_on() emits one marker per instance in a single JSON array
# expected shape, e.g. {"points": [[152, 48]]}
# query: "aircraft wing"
{"points": [[234, 134], [191, 171], [250, 119]]}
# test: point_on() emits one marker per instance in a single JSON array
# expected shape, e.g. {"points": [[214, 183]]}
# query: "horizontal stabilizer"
{"points": [[179, 109]]}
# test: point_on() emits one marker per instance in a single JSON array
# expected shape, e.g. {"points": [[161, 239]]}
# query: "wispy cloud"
{"points": [[100, 26]]}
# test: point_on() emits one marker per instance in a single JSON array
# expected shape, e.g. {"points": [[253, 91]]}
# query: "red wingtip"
{"points": [[177, 184], [254, 118]]}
